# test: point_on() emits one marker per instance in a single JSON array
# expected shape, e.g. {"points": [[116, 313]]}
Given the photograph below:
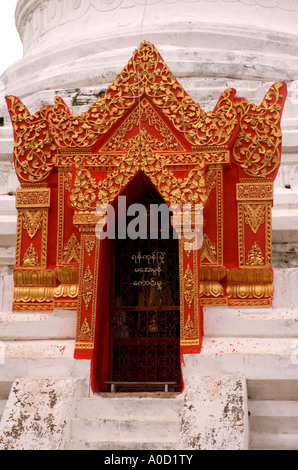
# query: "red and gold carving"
{"points": [[258, 146], [66, 293], [225, 160], [32, 238], [34, 289], [251, 287], [88, 286]]}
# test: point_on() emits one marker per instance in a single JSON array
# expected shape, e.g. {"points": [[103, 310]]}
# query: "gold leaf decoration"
{"points": [[90, 242], [87, 287], [30, 259], [85, 331], [32, 221], [258, 146], [72, 250], [87, 194], [188, 286], [189, 329], [208, 250], [254, 216], [255, 256]]}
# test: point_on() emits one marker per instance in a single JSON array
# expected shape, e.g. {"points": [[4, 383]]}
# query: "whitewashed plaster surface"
{"points": [[38, 413], [214, 415]]}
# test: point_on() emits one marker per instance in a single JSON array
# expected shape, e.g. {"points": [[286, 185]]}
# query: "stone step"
{"points": [[60, 324], [39, 349], [257, 323], [254, 358], [7, 256], [267, 441], [5, 388], [125, 430], [6, 292], [273, 408], [116, 445], [130, 407], [273, 414], [274, 424], [127, 421], [8, 205], [48, 358], [8, 225], [272, 390], [9, 182], [2, 407], [8, 221]]}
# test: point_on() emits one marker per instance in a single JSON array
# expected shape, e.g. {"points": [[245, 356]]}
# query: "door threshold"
{"points": [[138, 394]]}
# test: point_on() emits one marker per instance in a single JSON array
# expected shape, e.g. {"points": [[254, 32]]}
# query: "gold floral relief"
{"points": [[32, 221], [211, 180], [89, 243], [34, 285], [188, 286], [34, 148], [249, 284], [33, 198], [210, 281], [87, 193], [258, 146], [144, 113], [254, 190], [254, 215], [87, 287], [68, 276]]}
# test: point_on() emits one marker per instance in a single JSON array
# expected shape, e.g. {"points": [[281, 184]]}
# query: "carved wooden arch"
{"points": [[67, 165]]}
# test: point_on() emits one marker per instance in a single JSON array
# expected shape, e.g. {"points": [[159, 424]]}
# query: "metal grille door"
{"points": [[145, 313]]}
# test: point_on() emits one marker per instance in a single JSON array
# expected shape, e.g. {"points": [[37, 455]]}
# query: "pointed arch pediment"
{"points": [[49, 138], [144, 120], [183, 185]]}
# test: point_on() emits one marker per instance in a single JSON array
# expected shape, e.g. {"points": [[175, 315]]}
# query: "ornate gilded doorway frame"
{"points": [[225, 160]]}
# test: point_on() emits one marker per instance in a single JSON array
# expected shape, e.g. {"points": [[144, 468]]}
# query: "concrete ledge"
{"points": [[61, 324], [14, 368], [253, 358], [248, 323], [39, 349], [8, 229]]}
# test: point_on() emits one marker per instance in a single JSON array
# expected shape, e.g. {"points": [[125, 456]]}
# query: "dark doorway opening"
{"points": [[145, 307]]}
